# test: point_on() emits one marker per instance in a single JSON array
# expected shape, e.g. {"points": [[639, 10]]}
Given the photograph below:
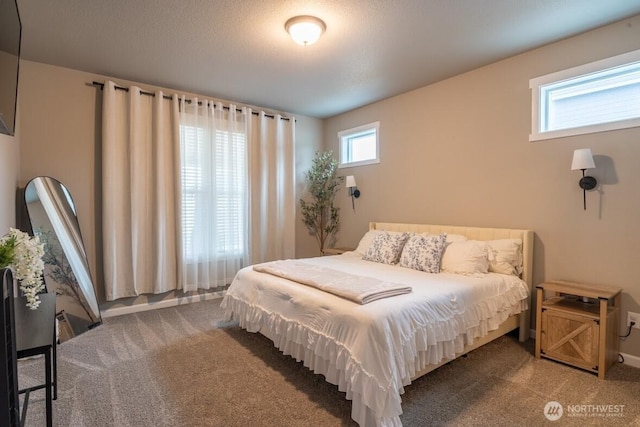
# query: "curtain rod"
{"points": [[188, 101]]}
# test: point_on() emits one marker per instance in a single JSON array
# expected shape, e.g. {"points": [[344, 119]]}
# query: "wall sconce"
{"points": [[583, 160], [354, 193], [305, 30]]}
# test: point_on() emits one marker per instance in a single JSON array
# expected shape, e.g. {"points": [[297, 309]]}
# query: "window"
{"points": [[359, 146], [596, 97], [214, 193]]}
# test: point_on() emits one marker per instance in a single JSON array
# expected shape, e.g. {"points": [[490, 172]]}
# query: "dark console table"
{"points": [[36, 334]]}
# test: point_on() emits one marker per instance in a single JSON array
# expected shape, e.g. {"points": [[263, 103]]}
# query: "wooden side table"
{"points": [[36, 334], [578, 332], [335, 251]]}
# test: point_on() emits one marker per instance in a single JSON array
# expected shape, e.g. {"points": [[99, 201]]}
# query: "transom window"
{"points": [[596, 97], [359, 146]]}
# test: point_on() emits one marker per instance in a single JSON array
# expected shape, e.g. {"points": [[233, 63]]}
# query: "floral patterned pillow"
{"points": [[386, 248], [423, 252], [367, 240]]}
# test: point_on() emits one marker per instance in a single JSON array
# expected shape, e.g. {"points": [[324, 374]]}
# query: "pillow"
{"points": [[367, 239], [450, 237], [386, 247], [423, 252], [466, 257], [456, 238], [507, 256]]}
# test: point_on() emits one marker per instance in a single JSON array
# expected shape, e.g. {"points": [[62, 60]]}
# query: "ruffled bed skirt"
{"points": [[374, 402]]}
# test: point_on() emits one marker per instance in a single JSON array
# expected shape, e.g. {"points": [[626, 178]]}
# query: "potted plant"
{"points": [[319, 214]]}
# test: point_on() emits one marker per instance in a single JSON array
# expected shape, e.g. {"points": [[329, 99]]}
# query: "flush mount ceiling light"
{"points": [[305, 30]]}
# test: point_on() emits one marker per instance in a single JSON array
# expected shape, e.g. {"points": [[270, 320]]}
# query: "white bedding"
{"points": [[372, 351]]}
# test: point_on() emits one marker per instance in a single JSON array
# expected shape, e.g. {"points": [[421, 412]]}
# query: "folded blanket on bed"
{"points": [[359, 289]]}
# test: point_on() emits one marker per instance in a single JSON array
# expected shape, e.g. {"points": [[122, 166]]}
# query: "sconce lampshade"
{"points": [[582, 159], [351, 181], [305, 30]]}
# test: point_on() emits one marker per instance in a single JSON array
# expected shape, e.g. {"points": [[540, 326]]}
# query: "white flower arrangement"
{"points": [[23, 254]]}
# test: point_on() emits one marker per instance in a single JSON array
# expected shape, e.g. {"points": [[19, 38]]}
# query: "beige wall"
{"points": [[60, 126], [9, 175], [309, 139], [58, 137], [457, 152], [9, 171]]}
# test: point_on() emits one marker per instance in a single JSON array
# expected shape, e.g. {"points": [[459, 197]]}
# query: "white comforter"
{"points": [[372, 351]]}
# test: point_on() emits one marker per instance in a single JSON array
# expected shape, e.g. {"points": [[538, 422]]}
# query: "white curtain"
{"points": [[272, 199], [192, 192], [140, 151], [214, 193]]}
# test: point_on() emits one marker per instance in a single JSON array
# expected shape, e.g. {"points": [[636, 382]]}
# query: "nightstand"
{"points": [[335, 251], [584, 334]]}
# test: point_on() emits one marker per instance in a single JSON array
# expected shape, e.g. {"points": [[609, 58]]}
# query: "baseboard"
{"points": [[631, 360], [136, 308]]}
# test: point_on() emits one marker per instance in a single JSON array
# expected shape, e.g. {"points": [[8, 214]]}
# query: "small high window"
{"points": [[359, 146], [596, 97]]}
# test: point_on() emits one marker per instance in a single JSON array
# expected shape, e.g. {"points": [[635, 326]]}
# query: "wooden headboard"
{"points": [[479, 233]]}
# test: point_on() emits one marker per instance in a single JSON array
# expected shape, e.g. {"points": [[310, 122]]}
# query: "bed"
{"points": [[372, 351]]}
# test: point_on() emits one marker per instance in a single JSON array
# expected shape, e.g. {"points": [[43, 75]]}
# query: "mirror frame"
{"points": [[68, 263]]}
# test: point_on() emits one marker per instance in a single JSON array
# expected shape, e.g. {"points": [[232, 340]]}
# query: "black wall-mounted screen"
{"points": [[10, 32]]}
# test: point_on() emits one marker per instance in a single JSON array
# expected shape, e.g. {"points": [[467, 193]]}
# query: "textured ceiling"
{"points": [[238, 49]]}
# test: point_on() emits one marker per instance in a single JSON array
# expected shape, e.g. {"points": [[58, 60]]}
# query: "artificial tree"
{"points": [[319, 215]]}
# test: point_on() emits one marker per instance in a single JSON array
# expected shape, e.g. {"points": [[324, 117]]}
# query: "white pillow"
{"points": [[386, 247], [423, 252], [507, 256], [456, 238], [466, 257], [367, 239]]}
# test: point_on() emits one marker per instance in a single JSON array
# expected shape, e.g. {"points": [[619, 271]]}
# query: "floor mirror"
{"points": [[52, 216]]}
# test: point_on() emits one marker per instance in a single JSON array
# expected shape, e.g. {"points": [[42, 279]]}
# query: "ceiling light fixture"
{"points": [[305, 29]]}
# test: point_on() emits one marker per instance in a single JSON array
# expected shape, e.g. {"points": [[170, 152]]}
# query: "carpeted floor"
{"points": [[181, 367]]}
